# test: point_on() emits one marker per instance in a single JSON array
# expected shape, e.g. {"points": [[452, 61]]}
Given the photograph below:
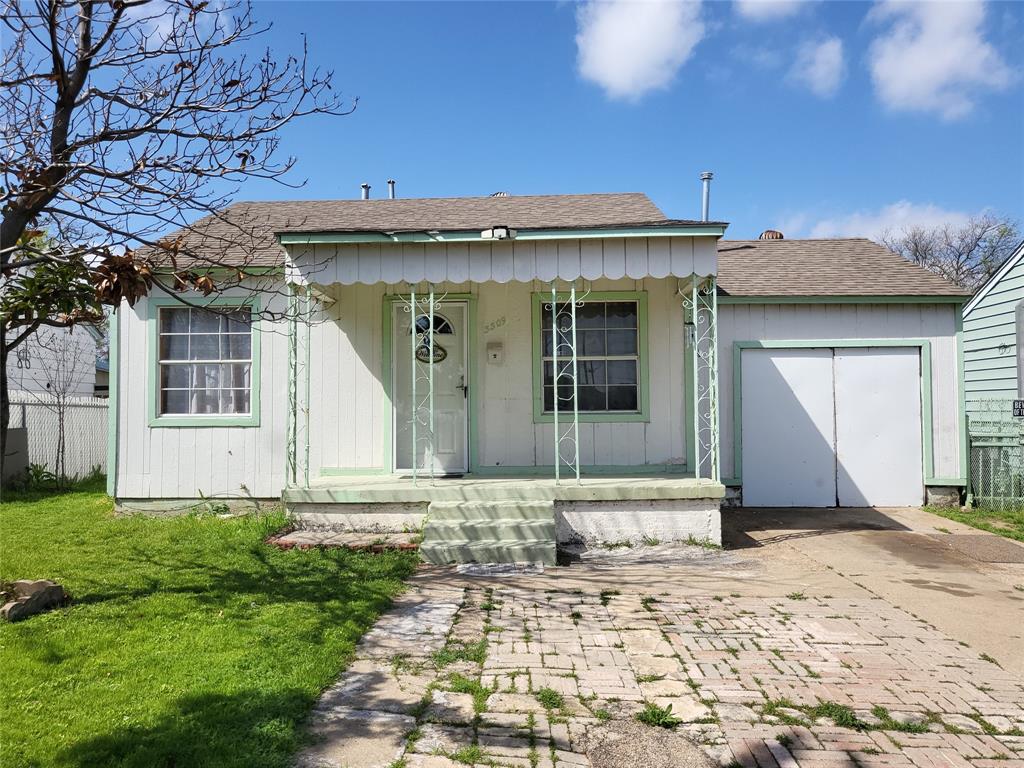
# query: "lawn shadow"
{"points": [[343, 586], [249, 729]]}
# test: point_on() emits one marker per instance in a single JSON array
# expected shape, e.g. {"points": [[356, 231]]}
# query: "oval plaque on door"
{"points": [[423, 353]]}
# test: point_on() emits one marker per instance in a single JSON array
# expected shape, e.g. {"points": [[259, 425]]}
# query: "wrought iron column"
{"points": [[422, 415], [297, 442], [567, 437], [701, 302]]}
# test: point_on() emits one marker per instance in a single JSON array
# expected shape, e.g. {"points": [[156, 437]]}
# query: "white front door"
{"points": [[446, 451]]}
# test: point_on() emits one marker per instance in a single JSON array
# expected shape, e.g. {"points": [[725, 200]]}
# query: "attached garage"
{"points": [[839, 368], [831, 426]]}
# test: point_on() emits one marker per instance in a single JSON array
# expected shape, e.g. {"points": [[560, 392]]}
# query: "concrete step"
{"points": [[498, 530], [466, 551], [489, 532], [490, 510]]}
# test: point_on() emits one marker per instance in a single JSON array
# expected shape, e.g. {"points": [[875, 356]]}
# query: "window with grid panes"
{"points": [[205, 360], [607, 358]]}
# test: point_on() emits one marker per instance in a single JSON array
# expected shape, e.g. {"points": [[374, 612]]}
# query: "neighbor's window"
{"points": [[205, 362], [607, 357]]}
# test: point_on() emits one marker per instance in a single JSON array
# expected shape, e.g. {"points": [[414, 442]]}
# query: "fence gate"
{"points": [[997, 456]]}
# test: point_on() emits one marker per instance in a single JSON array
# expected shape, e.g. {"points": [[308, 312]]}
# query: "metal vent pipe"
{"points": [[705, 207], [366, 190], [391, 189]]}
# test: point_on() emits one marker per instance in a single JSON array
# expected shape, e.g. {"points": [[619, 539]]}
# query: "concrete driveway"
{"points": [[816, 639]]}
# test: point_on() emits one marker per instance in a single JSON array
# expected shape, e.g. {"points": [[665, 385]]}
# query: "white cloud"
{"points": [[766, 10], [820, 66], [894, 217], [933, 57], [630, 48]]}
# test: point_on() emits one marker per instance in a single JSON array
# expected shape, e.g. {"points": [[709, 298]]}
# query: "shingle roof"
{"points": [[841, 267], [245, 232]]}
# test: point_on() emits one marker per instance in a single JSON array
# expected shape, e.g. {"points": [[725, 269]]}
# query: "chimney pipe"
{"points": [[705, 207], [366, 190], [391, 189]]}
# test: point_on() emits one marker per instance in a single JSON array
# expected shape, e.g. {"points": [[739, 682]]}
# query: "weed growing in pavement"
{"points": [[659, 717]]}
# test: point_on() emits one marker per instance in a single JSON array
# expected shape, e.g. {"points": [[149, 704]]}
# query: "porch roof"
{"points": [[504, 261]]}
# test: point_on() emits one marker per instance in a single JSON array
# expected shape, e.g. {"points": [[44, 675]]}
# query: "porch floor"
{"points": [[401, 489]]}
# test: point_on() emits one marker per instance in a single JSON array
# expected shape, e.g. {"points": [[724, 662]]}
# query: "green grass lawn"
{"points": [[189, 641], [1008, 524]]}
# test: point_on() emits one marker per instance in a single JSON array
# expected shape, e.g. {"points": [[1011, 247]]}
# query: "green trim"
{"points": [[644, 414], [352, 471], [113, 375], [924, 345], [961, 403], [641, 470], [962, 481], [387, 327], [152, 377], [462, 236], [866, 299]]}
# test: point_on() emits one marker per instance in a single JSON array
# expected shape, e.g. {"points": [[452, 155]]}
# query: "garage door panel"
{"points": [[878, 427], [788, 447]]}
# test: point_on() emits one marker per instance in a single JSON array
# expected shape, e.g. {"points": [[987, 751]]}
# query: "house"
{"points": [[62, 357], [992, 321], [51, 362], [526, 368]]}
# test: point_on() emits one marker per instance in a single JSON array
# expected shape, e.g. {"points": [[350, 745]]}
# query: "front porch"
{"points": [[514, 519], [571, 399]]}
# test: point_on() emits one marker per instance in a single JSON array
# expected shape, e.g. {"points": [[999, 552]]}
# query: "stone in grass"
{"points": [[448, 707], [26, 598], [630, 744]]}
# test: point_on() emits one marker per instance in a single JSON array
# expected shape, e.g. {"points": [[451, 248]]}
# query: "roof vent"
{"points": [[499, 194], [366, 190], [771, 234]]}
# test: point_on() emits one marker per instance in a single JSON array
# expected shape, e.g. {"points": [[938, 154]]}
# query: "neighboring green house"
{"points": [[992, 320]]}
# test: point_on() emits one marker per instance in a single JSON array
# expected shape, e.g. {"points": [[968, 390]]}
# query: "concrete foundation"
{"points": [[942, 496], [638, 521], [363, 518]]}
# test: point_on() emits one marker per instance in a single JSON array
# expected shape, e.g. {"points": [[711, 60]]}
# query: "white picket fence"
{"points": [[85, 431]]}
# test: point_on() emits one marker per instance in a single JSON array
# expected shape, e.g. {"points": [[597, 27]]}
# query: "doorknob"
{"points": [[463, 386]]}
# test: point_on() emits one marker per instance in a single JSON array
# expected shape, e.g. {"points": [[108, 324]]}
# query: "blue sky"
{"points": [[818, 118]]}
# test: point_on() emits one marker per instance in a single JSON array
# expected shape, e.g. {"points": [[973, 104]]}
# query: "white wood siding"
{"points": [[184, 462], [349, 417], [778, 322], [350, 410], [990, 342]]}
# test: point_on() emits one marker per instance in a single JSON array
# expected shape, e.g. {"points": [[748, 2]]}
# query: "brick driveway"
{"points": [[494, 673]]}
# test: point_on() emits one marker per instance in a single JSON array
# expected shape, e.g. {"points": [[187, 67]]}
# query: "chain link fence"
{"points": [[85, 431], [997, 455]]}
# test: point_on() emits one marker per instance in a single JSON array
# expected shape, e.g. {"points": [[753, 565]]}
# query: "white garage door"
{"points": [[822, 427]]}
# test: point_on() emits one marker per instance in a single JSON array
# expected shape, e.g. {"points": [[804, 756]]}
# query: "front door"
{"points": [[445, 452]]}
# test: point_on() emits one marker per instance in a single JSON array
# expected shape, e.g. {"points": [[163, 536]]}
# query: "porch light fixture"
{"points": [[498, 233]]}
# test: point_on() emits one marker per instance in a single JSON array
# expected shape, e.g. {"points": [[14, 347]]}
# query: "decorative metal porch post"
{"points": [[300, 309], [422, 339], [569, 435], [702, 305]]}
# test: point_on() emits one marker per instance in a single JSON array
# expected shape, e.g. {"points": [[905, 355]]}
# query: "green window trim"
{"points": [[252, 419], [923, 345], [643, 390]]}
